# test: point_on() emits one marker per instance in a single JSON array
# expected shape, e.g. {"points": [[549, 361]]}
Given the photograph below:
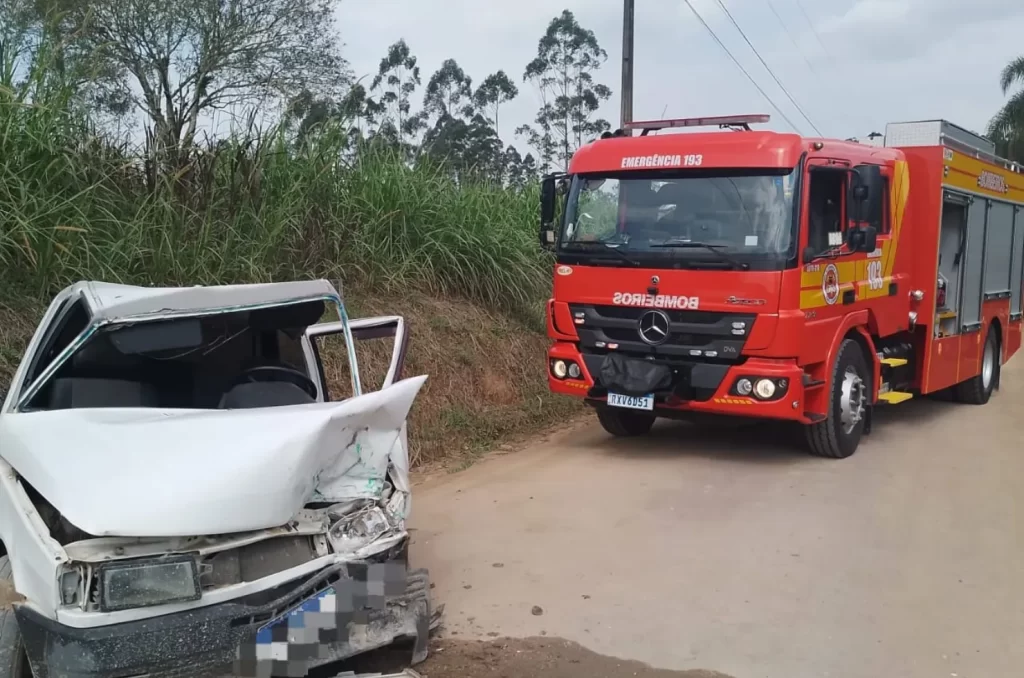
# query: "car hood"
{"points": [[169, 473]]}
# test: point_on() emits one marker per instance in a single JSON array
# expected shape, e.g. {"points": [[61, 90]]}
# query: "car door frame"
{"points": [[360, 329]]}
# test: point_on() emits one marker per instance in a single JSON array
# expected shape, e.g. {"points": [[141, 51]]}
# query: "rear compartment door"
{"points": [[368, 366]]}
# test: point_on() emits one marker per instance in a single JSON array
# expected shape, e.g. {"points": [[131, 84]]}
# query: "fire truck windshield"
{"points": [[743, 215]]}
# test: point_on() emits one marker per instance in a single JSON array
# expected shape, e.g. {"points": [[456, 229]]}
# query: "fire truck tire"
{"points": [[978, 389], [625, 424], [839, 434]]}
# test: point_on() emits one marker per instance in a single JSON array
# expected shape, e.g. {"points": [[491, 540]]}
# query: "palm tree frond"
{"points": [[1012, 74], [1009, 121]]}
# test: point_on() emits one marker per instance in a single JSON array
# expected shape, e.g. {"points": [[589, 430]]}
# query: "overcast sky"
{"points": [[864, 62]]}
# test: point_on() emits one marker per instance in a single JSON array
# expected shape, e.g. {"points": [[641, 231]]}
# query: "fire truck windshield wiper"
{"points": [[608, 246], [715, 249]]}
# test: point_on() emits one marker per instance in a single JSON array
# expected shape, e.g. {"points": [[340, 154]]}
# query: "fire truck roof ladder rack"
{"points": [[739, 122]]}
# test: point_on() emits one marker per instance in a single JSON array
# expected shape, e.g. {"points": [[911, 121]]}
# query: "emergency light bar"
{"points": [[722, 121]]}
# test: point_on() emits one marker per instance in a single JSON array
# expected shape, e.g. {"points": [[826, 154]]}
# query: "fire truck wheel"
{"points": [[624, 424], [977, 390], [838, 436]]}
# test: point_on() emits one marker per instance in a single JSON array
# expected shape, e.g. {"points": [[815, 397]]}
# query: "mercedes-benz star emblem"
{"points": [[655, 280], [653, 327]]}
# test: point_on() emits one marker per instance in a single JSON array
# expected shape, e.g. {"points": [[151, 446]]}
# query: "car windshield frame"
{"points": [[27, 390], [660, 253]]}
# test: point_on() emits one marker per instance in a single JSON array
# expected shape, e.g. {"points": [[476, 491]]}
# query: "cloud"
{"points": [[864, 62]]}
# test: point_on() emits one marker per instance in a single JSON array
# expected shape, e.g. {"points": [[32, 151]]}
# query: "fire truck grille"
{"points": [[702, 336], [631, 313]]}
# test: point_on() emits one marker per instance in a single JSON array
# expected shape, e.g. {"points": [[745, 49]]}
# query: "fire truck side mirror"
{"points": [[862, 239], [548, 193], [866, 197]]}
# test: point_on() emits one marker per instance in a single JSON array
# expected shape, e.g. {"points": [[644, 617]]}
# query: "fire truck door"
{"points": [[1017, 270], [973, 262], [952, 248]]}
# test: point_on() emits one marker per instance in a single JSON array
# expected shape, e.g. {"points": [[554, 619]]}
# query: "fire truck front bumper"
{"points": [[758, 387]]}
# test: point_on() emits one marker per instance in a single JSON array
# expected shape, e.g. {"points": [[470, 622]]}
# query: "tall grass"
{"points": [[251, 208]]}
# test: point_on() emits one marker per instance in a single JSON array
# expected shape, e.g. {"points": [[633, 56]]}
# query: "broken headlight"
{"points": [[70, 586], [360, 529], [144, 583]]}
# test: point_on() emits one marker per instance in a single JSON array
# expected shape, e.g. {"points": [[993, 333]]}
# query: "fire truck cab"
{"points": [[768, 275]]}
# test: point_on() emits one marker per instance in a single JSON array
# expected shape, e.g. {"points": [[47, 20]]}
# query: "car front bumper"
{"points": [[371, 607]]}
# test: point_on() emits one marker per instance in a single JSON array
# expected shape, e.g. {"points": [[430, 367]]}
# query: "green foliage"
{"points": [[255, 209], [396, 81], [568, 56], [496, 89], [352, 184], [175, 62], [1007, 127]]}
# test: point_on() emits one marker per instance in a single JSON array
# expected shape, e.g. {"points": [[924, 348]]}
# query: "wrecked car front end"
{"points": [[161, 521]]}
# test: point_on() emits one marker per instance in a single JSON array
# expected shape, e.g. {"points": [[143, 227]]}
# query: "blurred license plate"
{"points": [[631, 402]]}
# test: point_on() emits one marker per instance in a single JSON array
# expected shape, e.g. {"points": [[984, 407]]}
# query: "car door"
{"points": [[362, 330]]}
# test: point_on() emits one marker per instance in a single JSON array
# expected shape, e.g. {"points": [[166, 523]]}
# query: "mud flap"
{"points": [[634, 377]]}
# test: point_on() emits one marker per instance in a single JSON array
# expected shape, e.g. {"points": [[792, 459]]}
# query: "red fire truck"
{"points": [[761, 274]]}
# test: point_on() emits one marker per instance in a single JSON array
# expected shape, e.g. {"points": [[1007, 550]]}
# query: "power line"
{"points": [[740, 66], [814, 30], [768, 68], [792, 38], [821, 81]]}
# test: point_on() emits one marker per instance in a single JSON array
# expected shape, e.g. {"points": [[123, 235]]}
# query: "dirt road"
{"points": [[724, 549]]}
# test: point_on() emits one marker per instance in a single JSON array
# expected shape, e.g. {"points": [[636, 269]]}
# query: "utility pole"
{"points": [[627, 62]]}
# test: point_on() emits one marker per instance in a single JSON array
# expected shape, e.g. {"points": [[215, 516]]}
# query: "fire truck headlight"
{"points": [[764, 389], [744, 387], [574, 370], [559, 369]]}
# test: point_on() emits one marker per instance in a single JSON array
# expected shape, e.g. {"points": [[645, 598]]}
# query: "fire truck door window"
{"points": [[952, 242], [825, 210]]}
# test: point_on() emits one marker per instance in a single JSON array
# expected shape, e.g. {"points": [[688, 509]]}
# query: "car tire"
{"points": [[624, 424], [978, 389], [13, 660], [839, 434]]}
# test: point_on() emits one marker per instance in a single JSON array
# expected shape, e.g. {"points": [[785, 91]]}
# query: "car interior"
{"points": [[245, 359]]}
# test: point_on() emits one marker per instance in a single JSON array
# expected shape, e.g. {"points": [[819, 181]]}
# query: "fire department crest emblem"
{"points": [[830, 284]]}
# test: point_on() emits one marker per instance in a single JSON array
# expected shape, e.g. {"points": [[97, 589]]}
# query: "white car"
{"points": [[180, 497]]}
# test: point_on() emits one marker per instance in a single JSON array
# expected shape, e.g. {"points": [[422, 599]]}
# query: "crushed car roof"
{"points": [[110, 301]]}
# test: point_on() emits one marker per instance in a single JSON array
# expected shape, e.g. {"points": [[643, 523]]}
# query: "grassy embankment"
{"points": [[459, 261]]}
